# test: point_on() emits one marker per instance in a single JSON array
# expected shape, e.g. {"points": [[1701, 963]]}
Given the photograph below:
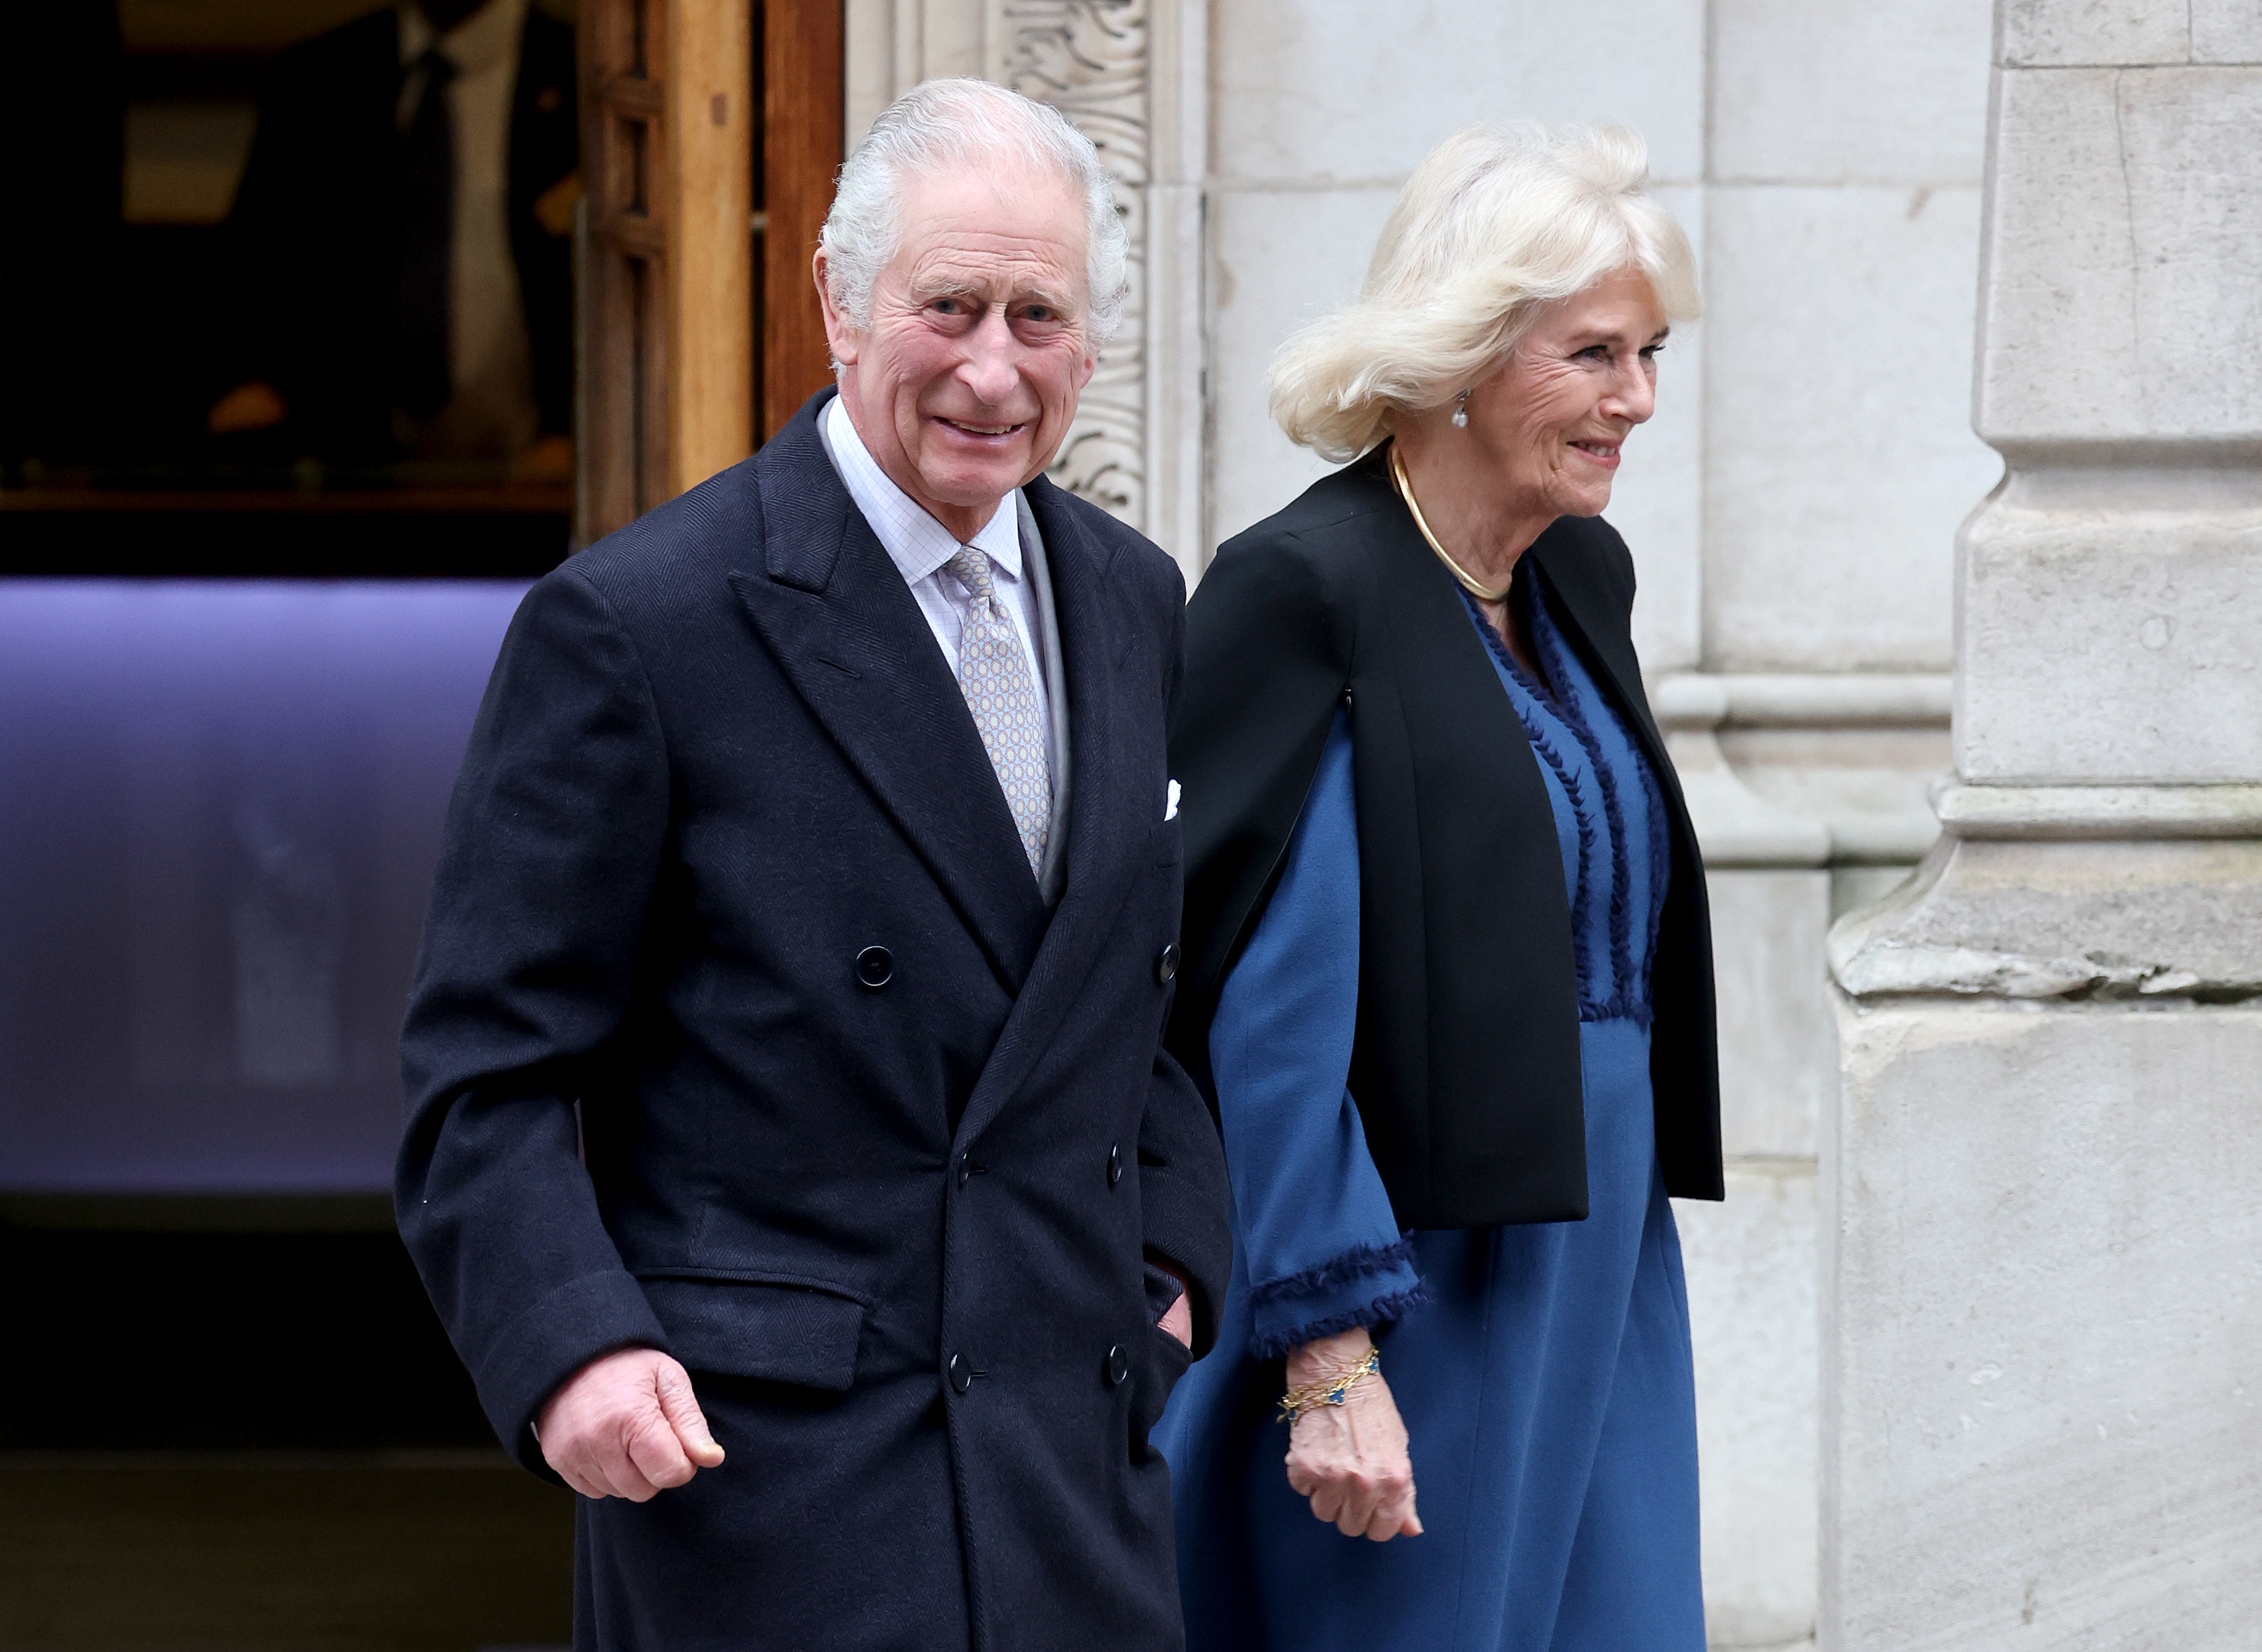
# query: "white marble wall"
{"points": [[2042, 1339], [1843, 247], [1751, 1260]]}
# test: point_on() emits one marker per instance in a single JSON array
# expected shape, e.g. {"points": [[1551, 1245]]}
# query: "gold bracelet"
{"points": [[1332, 1391]]}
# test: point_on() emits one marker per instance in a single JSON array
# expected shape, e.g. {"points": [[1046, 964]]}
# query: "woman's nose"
{"points": [[1635, 394]]}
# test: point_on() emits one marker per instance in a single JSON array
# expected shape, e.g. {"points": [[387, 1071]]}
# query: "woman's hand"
{"points": [[1351, 1459]]}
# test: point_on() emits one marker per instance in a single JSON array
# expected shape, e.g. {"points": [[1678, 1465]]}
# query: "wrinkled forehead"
{"points": [[998, 225]]}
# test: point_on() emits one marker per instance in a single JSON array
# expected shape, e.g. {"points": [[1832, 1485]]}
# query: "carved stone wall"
{"points": [[1090, 60]]}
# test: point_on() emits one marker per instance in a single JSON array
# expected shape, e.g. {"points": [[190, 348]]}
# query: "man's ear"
{"points": [[838, 334]]}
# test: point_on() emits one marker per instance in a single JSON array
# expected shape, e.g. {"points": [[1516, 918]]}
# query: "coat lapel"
{"points": [[835, 613], [1108, 803]]}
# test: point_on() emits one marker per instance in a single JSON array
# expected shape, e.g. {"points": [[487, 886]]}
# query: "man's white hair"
{"points": [[941, 123], [1496, 222]]}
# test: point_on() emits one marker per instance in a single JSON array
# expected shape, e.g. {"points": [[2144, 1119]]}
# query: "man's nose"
{"points": [[988, 367]]}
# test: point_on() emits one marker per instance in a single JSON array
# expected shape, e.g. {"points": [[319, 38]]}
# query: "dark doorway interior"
{"points": [[234, 1425], [160, 267], [239, 1554], [282, 1342]]}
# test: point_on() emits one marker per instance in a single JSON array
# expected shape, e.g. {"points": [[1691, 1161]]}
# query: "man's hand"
{"points": [[1178, 1317], [626, 1425], [1178, 1320], [1351, 1459]]}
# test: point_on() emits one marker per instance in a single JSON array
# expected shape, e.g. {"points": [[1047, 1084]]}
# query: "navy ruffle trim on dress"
{"points": [[1565, 776], [1633, 998], [1568, 706], [1630, 1001]]}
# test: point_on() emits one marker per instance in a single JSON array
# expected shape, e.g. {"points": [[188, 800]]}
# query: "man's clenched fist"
{"points": [[626, 1425]]}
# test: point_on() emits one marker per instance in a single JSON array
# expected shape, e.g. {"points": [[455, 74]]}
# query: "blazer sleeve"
{"points": [[551, 849], [1324, 1252], [1269, 646]]}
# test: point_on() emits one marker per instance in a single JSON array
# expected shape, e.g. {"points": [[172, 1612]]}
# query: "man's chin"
{"points": [[966, 486]]}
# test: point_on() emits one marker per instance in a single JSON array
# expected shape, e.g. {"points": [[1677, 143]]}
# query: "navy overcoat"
{"points": [[742, 1030]]}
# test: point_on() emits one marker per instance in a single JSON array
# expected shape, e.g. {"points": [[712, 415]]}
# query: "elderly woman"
{"points": [[1448, 969]]}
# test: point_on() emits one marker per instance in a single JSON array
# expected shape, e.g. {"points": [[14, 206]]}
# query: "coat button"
{"points": [[1114, 1166], [1119, 1366], [961, 1375], [966, 1168], [1166, 964], [875, 966]]}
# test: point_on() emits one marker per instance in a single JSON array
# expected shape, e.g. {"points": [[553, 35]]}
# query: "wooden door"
{"points": [[711, 131]]}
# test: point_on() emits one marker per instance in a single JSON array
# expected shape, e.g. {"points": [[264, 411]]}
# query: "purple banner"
{"points": [[219, 807]]}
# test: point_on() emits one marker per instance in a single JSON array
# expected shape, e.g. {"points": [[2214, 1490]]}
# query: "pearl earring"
{"points": [[1461, 410]]}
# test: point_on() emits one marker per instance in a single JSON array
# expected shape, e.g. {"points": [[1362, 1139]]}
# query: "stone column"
{"points": [[2042, 1181]]}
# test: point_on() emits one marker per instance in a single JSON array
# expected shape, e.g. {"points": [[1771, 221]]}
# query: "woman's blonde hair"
{"points": [[1497, 221]]}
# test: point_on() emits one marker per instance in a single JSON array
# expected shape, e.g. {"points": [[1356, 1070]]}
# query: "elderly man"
{"points": [[791, 1153]]}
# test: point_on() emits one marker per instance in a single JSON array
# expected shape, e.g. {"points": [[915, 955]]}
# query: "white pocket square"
{"points": [[1171, 807]]}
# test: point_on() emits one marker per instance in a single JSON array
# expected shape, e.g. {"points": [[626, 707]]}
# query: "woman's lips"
{"points": [[1603, 453]]}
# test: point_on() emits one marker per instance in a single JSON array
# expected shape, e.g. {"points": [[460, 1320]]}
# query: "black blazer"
{"points": [[316, 229], [741, 1031], [1466, 1064]]}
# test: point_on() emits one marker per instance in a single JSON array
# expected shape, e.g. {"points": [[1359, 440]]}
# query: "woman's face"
{"points": [[1551, 422]]}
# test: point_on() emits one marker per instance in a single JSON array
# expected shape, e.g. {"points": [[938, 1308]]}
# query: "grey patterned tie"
{"points": [[993, 674]]}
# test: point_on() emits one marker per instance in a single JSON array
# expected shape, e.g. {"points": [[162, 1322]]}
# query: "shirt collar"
{"points": [[917, 544]]}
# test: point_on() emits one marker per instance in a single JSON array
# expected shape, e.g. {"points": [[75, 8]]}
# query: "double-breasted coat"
{"points": [[742, 1030]]}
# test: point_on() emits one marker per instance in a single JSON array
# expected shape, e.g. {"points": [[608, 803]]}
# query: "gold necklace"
{"points": [[1405, 487]]}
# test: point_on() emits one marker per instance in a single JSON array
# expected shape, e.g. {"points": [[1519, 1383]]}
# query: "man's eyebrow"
{"points": [[928, 290]]}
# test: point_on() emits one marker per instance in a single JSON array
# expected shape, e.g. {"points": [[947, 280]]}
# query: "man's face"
{"points": [[964, 385]]}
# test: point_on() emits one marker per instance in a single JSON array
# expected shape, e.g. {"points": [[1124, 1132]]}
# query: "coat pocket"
{"points": [[784, 1333], [1166, 1360]]}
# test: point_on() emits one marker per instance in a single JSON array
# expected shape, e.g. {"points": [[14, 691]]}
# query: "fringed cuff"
{"points": [[1361, 1261], [1367, 1285], [1275, 1343]]}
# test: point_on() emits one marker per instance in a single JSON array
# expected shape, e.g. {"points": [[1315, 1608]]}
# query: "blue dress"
{"points": [[1543, 1370]]}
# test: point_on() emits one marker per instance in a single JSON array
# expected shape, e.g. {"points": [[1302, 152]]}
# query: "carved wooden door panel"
{"points": [[710, 132]]}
